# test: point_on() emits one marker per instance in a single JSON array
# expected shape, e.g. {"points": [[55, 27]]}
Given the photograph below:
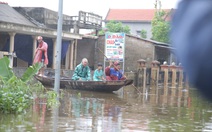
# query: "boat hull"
{"points": [[101, 86]]}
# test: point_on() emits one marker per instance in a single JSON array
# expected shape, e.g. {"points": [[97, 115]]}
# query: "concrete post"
{"points": [[72, 55], [11, 50], [180, 70], [153, 96], [165, 69], [155, 73], [76, 30], [142, 70], [180, 94], [34, 46], [173, 69], [67, 63], [165, 97], [54, 53], [144, 78], [75, 53], [187, 83]]}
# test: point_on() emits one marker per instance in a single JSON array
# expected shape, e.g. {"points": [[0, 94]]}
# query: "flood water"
{"points": [[161, 109]]}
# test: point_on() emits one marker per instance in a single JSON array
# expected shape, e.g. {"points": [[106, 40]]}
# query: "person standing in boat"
{"points": [[98, 74], [82, 71], [39, 52], [114, 73]]}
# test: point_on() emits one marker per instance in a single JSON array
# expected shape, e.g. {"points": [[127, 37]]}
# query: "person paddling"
{"points": [[114, 73]]}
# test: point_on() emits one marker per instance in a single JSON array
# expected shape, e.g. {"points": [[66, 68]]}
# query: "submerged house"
{"points": [[20, 26]]}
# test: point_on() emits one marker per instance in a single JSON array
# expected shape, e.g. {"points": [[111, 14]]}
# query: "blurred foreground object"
{"points": [[191, 35]]}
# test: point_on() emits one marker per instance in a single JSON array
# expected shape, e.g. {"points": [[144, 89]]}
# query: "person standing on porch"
{"points": [[82, 71], [39, 52]]}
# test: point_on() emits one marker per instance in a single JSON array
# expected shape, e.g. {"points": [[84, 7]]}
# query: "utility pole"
{"points": [[58, 47]]}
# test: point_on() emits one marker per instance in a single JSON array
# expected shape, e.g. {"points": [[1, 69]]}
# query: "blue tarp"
{"points": [[23, 48]]}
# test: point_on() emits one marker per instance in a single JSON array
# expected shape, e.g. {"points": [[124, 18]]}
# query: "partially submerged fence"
{"points": [[166, 75]]}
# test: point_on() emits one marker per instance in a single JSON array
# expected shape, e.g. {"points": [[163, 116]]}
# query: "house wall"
{"points": [[136, 27], [162, 54], [3, 39], [135, 49], [45, 16], [86, 49]]}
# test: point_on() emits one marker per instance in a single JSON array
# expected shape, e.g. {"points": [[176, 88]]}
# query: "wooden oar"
{"points": [[119, 70], [102, 52], [107, 58], [136, 88]]}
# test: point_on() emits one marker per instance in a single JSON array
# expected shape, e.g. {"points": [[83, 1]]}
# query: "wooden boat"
{"points": [[101, 86]]}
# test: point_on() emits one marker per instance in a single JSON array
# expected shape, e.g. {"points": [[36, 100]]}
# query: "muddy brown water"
{"points": [[156, 109]]}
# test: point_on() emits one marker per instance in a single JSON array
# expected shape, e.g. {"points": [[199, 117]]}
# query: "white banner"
{"points": [[115, 46]]}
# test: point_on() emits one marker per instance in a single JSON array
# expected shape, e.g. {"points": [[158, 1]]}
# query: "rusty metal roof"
{"points": [[10, 15]]}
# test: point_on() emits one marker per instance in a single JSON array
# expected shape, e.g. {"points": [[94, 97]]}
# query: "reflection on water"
{"points": [[157, 109]]}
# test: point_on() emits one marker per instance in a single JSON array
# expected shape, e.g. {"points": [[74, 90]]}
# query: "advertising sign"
{"points": [[115, 46]]}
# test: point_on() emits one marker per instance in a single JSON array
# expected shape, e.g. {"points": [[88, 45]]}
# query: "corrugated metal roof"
{"points": [[10, 15]]}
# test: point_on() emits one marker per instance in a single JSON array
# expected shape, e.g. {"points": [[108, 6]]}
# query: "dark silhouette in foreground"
{"points": [[192, 36]]}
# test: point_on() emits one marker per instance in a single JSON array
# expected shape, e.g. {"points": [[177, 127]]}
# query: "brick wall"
{"points": [[135, 49]]}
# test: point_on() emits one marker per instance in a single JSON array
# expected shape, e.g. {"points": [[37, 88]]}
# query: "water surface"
{"points": [[156, 109]]}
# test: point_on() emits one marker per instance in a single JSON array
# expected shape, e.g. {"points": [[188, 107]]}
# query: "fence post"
{"points": [[173, 69], [165, 69], [154, 73], [180, 83], [142, 68]]}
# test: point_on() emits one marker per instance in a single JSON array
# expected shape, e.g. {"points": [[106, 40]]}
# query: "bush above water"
{"points": [[17, 94]]}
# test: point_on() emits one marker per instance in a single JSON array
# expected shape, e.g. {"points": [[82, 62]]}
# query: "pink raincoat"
{"points": [[38, 54]]}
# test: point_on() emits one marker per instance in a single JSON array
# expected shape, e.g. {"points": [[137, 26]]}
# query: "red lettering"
{"points": [[117, 36], [110, 41]]}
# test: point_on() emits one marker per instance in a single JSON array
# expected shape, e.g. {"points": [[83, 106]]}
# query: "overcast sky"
{"points": [[100, 7]]}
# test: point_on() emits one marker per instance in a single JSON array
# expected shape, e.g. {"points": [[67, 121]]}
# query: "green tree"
{"points": [[113, 26], [143, 34], [160, 27]]}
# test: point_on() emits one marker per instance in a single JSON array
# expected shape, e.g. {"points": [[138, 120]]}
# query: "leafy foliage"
{"points": [[143, 34], [28, 74], [5, 71], [17, 94], [160, 27], [113, 26]]}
